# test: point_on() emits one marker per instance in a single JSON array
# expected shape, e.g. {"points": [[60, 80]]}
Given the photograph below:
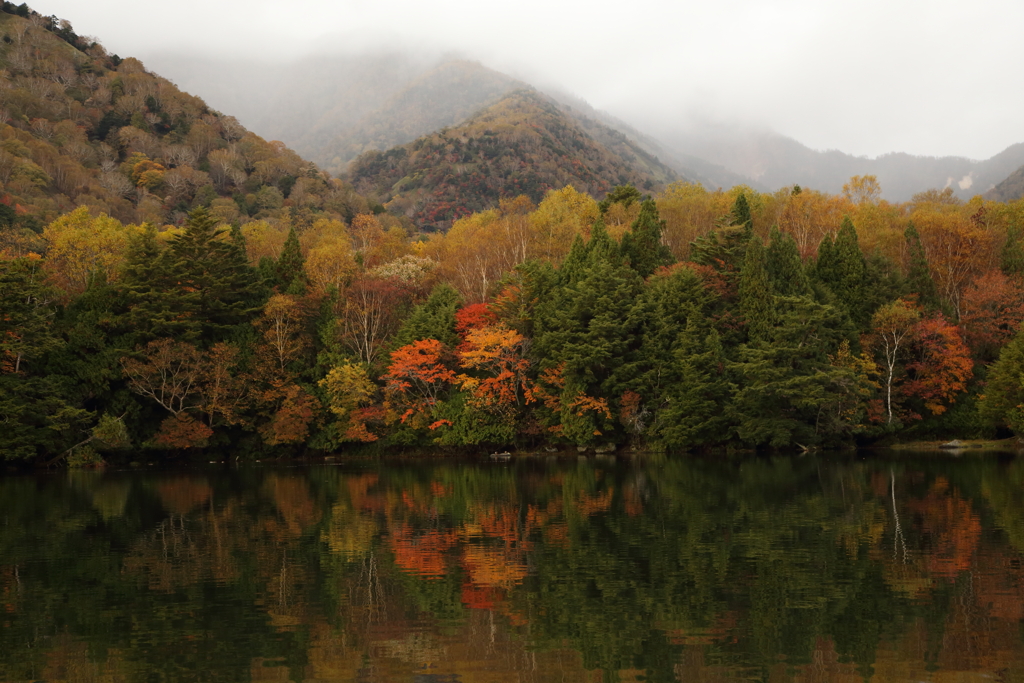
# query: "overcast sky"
{"points": [[932, 77]]}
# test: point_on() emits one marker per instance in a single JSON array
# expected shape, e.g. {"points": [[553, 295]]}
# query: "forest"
{"points": [[694, 319], [173, 284]]}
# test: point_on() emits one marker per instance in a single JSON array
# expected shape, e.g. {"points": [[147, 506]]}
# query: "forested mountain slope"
{"points": [[81, 127], [1010, 189], [524, 144], [380, 100], [446, 95]]}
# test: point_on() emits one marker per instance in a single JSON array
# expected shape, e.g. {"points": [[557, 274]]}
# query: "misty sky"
{"points": [[866, 77]]}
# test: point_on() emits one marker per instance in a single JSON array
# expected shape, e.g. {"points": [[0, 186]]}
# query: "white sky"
{"points": [[868, 77]]}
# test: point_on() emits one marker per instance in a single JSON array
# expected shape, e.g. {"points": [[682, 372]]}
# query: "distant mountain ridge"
{"points": [[330, 109], [523, 144], [774, 161], [386, 100]]}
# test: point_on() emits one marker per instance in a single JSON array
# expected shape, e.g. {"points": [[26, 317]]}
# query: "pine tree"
{"points": [[198, 289], [620, 194], [781, 387], [757, 303], [842, 268], [290, 271], [919, 277], [433, 319], [725, 248], [575, 261], [642, 244], [589, 330], [785, 268], [741, 216], [852, 268], [670, 303], [693, 410]]}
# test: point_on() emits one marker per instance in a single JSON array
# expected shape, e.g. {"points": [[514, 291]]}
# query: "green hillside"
{"points": [[524, 144]]}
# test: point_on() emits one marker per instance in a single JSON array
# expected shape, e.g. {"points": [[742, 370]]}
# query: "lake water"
{"points": [[828, 568]]}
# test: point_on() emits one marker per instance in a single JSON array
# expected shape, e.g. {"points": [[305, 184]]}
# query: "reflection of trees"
{"points": [[690, 568]]}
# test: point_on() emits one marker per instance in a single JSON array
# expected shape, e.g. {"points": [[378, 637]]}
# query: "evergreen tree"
{"points": [[785, 268], [725, 248], [693, 411], [575, 261], [35, 410], [290, 271], [642, 244], [741, 216], [825, 267], [670, 304], [781, 387], [841, 268], [919, 279], [589, 332], [757, 303], [620, 194], [1003, 402], [433, 319], [198, 289]]}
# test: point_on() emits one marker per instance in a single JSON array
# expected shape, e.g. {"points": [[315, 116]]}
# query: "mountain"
{"points": [[773, 161], [523, 144], [81, 127], [692, 168], [332, 108], [383, 100], [1010, 189]]}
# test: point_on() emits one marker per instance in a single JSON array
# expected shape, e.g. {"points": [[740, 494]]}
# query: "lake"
{"points": [[664, 568]]}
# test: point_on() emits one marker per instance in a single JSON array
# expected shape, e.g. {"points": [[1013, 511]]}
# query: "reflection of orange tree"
{"points": [[423, 553], [951, 531], [953, 528]]}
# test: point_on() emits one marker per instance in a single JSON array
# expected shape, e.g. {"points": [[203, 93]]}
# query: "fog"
{"points": [[930, 78]]}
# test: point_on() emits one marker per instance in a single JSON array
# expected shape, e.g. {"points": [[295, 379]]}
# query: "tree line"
{"points": [[572, 322]]}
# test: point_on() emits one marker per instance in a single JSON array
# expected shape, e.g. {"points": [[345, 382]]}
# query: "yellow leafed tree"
{"points": [[81, 247]]}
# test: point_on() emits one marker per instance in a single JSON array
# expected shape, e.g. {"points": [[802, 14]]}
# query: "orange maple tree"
{"points": [[415, 379], [497, 356]]}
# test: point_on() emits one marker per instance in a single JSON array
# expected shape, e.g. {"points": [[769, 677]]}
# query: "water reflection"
{"points": [[780, 569]]}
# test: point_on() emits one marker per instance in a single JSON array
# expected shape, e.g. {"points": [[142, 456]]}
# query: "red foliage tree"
{"points": [[415, 379], [941, 366], [993, 310]]}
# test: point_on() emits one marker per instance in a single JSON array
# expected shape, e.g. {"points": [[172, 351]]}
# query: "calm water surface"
{"points": [[673, 569]]}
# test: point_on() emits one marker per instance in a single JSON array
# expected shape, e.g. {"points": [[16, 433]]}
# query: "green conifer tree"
{"points": [[291, 271], [620, 194], [781, 387], [198, 289], [642, 244], [692, 412], [590, 329], [785, 268], [670, 303], [433, 319], [757, 302], [842, 268], [741, 216]]}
